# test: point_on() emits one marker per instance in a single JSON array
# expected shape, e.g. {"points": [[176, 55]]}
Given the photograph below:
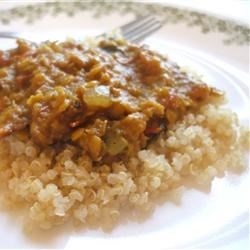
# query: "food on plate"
{"points": [[90, 129]]}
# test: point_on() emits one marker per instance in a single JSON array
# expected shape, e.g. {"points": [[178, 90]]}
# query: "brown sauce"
{"points": [[110, 99]]}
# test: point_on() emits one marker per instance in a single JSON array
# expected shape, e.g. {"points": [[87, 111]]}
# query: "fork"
{"points": [[137, 30], [134, 31]]}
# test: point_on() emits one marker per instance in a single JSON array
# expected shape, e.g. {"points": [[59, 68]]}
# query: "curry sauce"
{"points": [[110, 98]]}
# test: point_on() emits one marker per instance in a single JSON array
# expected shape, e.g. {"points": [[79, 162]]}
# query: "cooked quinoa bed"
{"points": [[58, 187], [82, 146]]}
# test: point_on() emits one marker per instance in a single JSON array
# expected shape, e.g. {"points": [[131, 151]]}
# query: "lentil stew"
{"points": [[110, 98]]}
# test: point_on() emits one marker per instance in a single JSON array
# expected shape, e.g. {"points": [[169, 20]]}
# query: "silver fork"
{"points": [[135, 31]]}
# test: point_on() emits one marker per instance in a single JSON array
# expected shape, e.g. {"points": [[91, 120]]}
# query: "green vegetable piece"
{"points": [[116, 144]]}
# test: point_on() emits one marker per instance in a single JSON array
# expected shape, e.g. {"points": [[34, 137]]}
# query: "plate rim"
{"points": [[234, 32]]}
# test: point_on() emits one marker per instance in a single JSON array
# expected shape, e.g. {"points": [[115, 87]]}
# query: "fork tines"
{"points": [[140, 28]]}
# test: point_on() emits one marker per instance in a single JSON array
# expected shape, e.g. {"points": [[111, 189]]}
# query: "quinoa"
{"points": [[56, 187]]}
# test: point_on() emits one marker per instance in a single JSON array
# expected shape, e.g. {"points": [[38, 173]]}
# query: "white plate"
{"points": [[215, 220]]}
